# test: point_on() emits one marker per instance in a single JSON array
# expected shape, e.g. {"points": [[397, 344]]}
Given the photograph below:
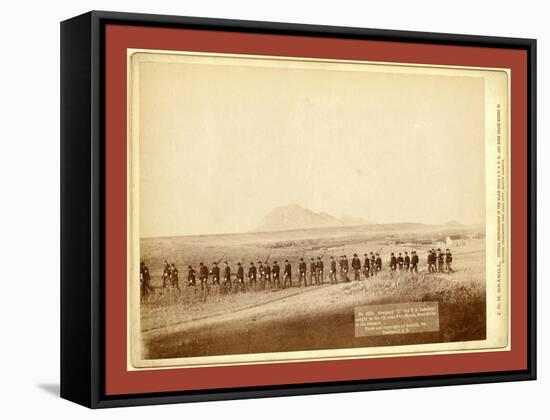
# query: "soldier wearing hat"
{"points": [[203, 275], [240, 276], [226, 276], [261, 273], [332, 272], [302, 268], [414, 262], [400, 262], [215, 274], [191, 276], [252, 272], [373, 270], [344, 267], [320, 270], [144, 280], [378, 262], [440, 260], [393, 263], [434, 261], [366, 266], [174, 278], [287, 273], [407, 261], [165, 274], [313, 272], [275, 272], [356, 266], [431, 261], [267, 273], [448, 261]]}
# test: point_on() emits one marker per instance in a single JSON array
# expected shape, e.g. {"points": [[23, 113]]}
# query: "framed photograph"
{"points": [[255, 209]]}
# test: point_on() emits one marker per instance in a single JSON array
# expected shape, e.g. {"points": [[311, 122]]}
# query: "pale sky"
{"points": [[222, 145]]}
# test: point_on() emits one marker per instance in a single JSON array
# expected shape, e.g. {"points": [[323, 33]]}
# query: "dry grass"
{"points": [[169, 312]]}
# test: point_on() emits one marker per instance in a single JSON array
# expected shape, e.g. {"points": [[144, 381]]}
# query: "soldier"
{"points": [[378, 262], [226, 276], [174, 279], [356, 266], [407, 262], [145, 279], [431, 261], [448, 261], [191, 276], [287, 274], [344, 267], [373, 270], [302, 273], [393, 264], [440, 259], [313, 272], [203, 275], [240, 276], [267, 273], [414, 262], [252, 272], [165, 274], [320, 270], [261, 273], [275, 272], [332, 273], [400, 262], [215, 274], [366, 266]]}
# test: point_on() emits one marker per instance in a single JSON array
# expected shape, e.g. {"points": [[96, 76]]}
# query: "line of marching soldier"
{"points": [[439, 262], [169, 277], [404, 263], [270, 275]]}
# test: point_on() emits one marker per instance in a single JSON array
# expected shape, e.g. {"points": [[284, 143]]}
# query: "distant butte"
{"points": [[296, 217]]}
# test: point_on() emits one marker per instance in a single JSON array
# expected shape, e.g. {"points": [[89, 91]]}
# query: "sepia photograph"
{"points": [[253, 209], [285, 209]]}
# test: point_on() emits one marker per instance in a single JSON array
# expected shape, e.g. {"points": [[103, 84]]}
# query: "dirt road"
{"points": [[319, 318]]}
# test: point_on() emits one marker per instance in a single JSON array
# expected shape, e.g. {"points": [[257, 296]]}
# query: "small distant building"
{"points": [[455, 240]]}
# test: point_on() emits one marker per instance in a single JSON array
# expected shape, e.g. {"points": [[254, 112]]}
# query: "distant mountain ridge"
{"points": [[296, 217]]}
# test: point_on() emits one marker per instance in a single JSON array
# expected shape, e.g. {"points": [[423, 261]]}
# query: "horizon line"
{"points": [[457, 225]]}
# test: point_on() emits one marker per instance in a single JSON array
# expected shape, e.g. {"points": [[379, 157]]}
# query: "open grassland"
{"points": [[192, 322]]}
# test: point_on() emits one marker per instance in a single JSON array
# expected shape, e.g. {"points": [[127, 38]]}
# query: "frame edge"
{"points": [[76, 203]]}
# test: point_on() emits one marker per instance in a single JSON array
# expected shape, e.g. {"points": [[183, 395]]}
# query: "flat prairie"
{"points": [[194, 322]]}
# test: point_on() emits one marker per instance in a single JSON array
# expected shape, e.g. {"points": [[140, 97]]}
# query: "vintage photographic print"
{"points": [[286, 209]]}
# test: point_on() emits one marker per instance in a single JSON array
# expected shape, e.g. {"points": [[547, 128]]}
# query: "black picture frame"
{"points": [[83, 216]]}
